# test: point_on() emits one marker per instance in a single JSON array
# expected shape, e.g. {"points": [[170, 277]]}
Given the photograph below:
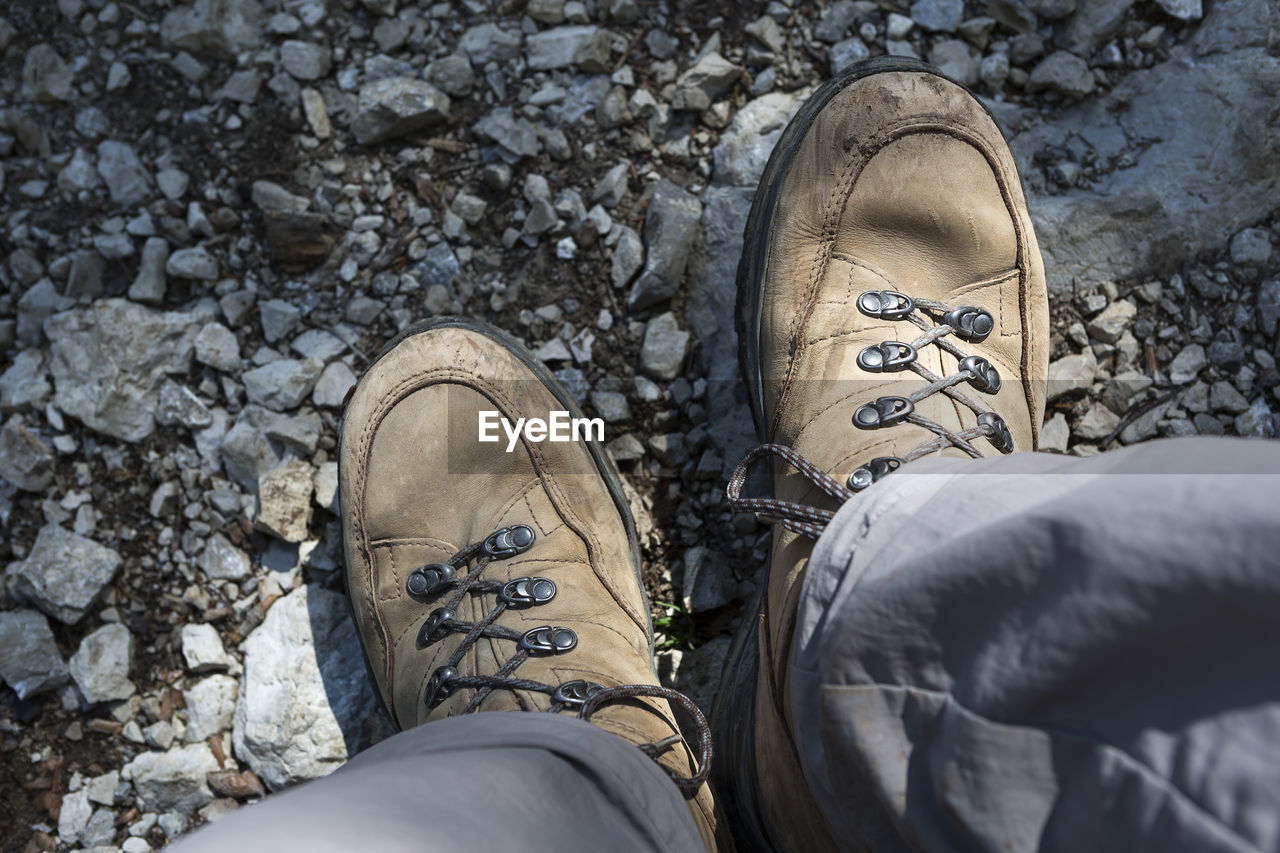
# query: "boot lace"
{"points": [[434, 579], [965, 322]]}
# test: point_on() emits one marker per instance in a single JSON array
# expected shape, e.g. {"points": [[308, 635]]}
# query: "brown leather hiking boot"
{"points": [[891, 305], [486, 578]]}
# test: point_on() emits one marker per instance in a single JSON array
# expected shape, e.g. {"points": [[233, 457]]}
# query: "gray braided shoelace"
{"points": [[431, 580], [965, 322]]}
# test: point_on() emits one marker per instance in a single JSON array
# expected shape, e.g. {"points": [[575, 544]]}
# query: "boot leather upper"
{"points": [[418, 486], [903, 182]]}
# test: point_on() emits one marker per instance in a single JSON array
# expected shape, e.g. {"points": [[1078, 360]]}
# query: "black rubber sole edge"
{"points": [[733, 715], [608, 471]]}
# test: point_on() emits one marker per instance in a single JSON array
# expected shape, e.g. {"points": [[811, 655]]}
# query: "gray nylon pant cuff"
{"points": [[491, 781], [1044, 653]]}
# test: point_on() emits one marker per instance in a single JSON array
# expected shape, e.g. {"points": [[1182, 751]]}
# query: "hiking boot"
{"points": [[891, 306], [497, 575]]}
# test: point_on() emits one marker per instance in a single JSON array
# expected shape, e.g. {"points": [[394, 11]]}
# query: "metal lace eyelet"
{"points": [[982, 374], [575, 693], [872, 472], [433, 630], [509, 541], [885, 411], [970, 323], [429, 579], [438, 687], [885, 304], [887, 357], [548, 641], [998, 433], [526, 592]]}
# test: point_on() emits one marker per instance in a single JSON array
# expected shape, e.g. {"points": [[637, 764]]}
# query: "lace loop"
{"points": [[967, 322], [523, 592]]}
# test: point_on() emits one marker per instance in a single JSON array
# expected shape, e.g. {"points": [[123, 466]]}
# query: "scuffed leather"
{"points": [[902, 182], [417, 486]]}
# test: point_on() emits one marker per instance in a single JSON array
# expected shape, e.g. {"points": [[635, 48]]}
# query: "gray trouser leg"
{"points": [[491, 781], [1045, 653]]}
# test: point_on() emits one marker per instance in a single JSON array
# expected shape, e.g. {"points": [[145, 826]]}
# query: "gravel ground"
{"points": [[214, 213]]}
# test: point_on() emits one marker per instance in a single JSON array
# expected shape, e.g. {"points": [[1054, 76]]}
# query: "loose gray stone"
{"points": [[318, 344], [26, 382], [490, 43], [175, 780], [1183, 10], [305, 694], [26, 462], [74, 816], [708, 581], [1071, 373], [64, 573], [670, 232], [1064, 73], [559, 47], [46, 76], [1097, 423], [332, 387], [844, 53], [517, 137], [278, 319], [744, 147], [281, 385], [100, 667], [395, 106], [109, 360], [176, 405], [628, 257], [1111, 323], [1269, 305], [202, 649], [1223, 397], [150, 284], [1055, 434], [305, 60], [221, 560], [704, 83], [211, 707], [665, 346], [223, 27], [452, 74], [1257, 421], [1251, 246], [284, 501], [611, 406], [194, 263], [30, 662], [612, 187], [1146, 426], [938, 15], [954, 58], [216, 346], [122, 172], [1187, 363], [102, 789], [835, 21]]}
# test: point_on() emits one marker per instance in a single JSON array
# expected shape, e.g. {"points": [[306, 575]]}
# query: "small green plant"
{"points": [[674, 628]]}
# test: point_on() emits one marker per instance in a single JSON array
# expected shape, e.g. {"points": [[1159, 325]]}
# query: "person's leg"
{"points": [[1048, 653], [496, 781]]}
